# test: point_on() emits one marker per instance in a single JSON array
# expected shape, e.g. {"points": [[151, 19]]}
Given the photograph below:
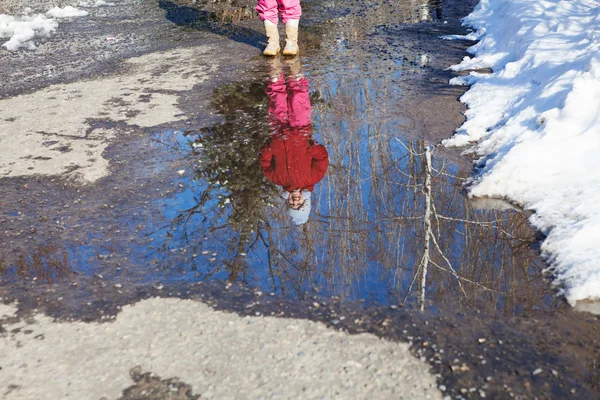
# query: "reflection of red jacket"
{"points": [[290, 158], [292, 161]]}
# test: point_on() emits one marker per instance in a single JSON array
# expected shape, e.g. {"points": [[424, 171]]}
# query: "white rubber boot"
{"points": [[273, 46], [291, 37]]}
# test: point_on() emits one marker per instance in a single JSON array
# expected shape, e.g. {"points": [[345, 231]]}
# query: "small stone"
{"points": [[537, 371], [118, 286], [481, 340], [181, 171], [554, 372], [442, 388], [481, 393]]}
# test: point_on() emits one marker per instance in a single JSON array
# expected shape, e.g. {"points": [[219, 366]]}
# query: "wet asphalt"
{"points": [[478, 348]]}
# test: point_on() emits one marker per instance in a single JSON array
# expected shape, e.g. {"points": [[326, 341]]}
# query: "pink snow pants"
{"points": [[289, 9], [289, 103]]}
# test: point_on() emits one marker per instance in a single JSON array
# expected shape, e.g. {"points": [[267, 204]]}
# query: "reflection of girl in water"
{"points": [[291, 158]]}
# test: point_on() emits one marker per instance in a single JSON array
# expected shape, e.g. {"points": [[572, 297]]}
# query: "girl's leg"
{"points": [[267, 10], [290, 11]]}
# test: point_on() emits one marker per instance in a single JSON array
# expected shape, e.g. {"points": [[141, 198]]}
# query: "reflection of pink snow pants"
{"points": [[289, 9], [289, 102]]}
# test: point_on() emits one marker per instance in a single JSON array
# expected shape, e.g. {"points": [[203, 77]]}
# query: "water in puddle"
{"points": [[364, 237], [380, 204]]}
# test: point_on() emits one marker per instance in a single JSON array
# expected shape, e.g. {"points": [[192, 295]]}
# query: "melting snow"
{"points": [[66, 12], [536, 121], [21, 30], [97, 3]]}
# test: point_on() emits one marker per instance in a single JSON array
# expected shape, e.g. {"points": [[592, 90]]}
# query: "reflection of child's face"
{"points": [[295, 200]]}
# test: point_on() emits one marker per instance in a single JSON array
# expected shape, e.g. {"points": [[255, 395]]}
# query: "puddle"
{"points": [[367, 102], [365, 237]]}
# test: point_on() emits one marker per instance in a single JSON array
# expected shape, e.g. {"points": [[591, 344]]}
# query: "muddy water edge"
{"points": [[183, 208]]}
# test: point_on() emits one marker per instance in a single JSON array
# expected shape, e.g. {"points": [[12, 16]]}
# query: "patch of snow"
{"points": [[21, 30], [97, 3], [66, 12], [470, 36], [536, 121]]}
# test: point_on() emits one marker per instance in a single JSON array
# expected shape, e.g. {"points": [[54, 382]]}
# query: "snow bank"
{"points": [[536, 121], [22, 29]]}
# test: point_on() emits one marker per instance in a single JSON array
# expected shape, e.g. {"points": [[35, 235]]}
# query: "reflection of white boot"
{"points": [[275, 69], [272, 39], [291, 37], [295, 68]]}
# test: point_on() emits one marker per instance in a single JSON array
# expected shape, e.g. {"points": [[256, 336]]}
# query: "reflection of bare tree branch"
{"points": [[426, 224], [466, 221], [449, 264], [430, 215], [46, 264], [460, 278]]}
